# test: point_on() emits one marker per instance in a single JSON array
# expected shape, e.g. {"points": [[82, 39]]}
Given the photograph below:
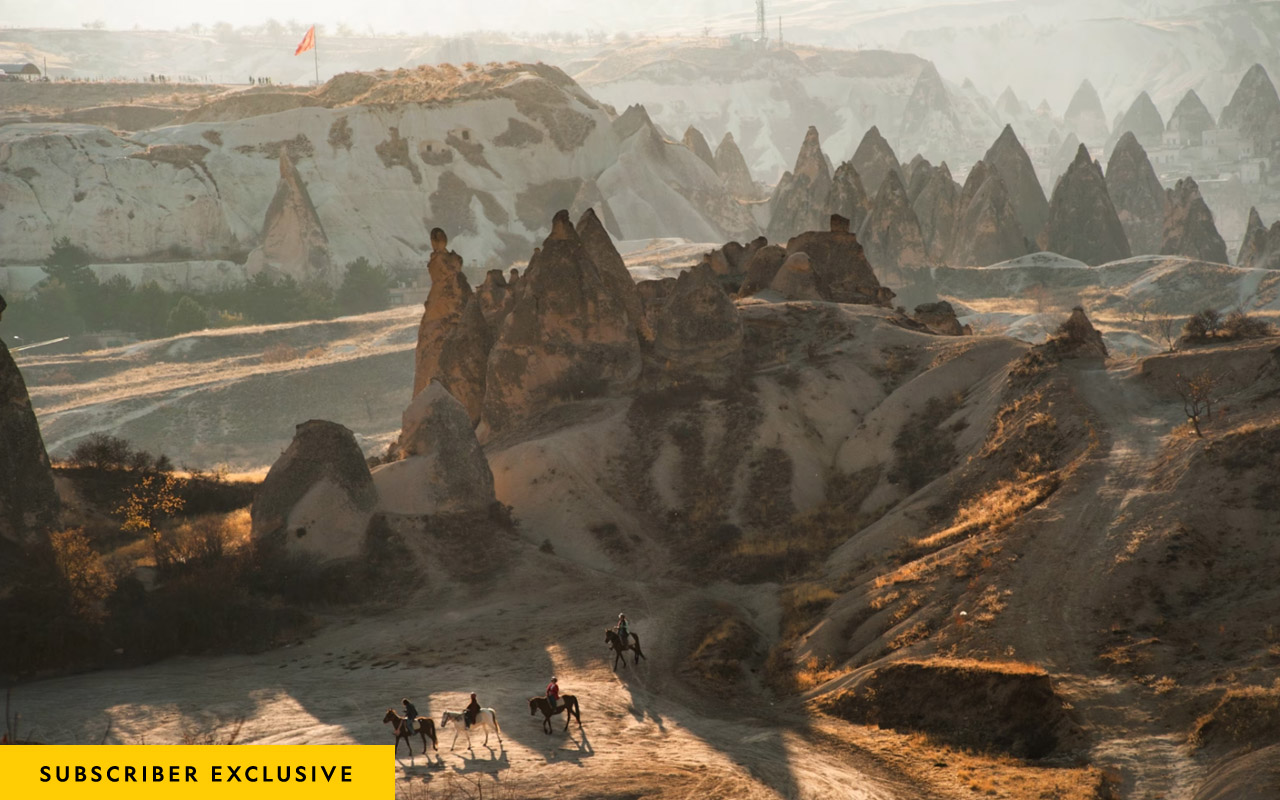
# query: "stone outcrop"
{"points": [[28, 502], [695, 141], [841, 271], [293, 240], [1137, 195], [568, 336], [1188, 225], [1083, 223], [874, 159], [495, 294], [1010, 160], [462, 363], [732, 169], [443, 470], [1084, 115], [891, 232], [795, 279], [929, 120], [1254, 109], [442, 314], [986, 226], [697, 334], [800, 198], [1075, 338], [1261, 247], [613, 271], [1190, 119], [940, 318], [318, 496], [1062, 159], [589, 197], [761, 268], [936, 208], [848, 197], [1143, 120]]}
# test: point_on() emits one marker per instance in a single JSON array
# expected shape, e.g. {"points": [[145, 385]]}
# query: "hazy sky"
{"points": [[416, 16]]}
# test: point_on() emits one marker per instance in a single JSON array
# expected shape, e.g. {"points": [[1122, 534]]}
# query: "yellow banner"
{"points": [[239, 772]]}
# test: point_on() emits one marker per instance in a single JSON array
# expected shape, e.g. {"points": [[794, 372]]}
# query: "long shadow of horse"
{"points": [[494, 764], [574, 755]]}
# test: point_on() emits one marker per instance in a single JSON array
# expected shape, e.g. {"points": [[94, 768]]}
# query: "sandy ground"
{"points": [[645, 733]]}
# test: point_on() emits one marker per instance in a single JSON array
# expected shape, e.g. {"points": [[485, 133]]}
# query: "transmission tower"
{"points": [[760, 33]]}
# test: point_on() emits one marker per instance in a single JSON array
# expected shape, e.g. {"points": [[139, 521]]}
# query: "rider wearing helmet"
{"points": [[622, 630], [473, 708], [410, 714], [553, 693]]}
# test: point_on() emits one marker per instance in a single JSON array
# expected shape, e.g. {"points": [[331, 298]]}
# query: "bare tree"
{"points": [[1199, 393], [1164, 329]]}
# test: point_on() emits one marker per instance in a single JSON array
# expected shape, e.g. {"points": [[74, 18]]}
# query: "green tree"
{"points": [[69, 264], [364, 288], [187, 315]]}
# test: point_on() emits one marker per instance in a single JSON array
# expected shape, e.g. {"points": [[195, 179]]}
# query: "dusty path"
{"points": [[1075, 541], [645, 732]]}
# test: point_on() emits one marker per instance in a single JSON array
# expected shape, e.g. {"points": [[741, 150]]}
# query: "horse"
{"points": [[426, 727], [486, 718], [620, 648], [542, 704]]}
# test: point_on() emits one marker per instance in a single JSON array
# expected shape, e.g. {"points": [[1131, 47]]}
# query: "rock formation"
{"points": [[462, 362], [929, 122], [1254, 109], [1084, 116], [1137, 195], [1188, 225], [495, 295], [936, 208], [613, 271], [916, 173], [293, 240], [698, 334], [800, 197], [695, 141], [795, 279], [443, 469], [986, 229], [848, 198], [1075, 338], [841, 271], [874, 159], [28, 501], [1261, 247], [318, 496], [1062, 159], [1009, 107], [940, 318], [761, 268], [1008, 158], [732, 169], [589, 197], [891, 233], [1190, 119], [1143, 121], [568, 336], [1083, 223], [442, 313]]}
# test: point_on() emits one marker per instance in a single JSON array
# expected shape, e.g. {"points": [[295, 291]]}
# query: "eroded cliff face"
{"points": [[28, 502], [365, 169]]}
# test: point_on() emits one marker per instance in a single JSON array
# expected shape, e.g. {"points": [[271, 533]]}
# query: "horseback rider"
{"points": [[553, 693], [621, 628], [469, 714], [410, 714]]}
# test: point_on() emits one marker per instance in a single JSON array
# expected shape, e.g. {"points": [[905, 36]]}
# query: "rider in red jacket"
{"points": [[553, 693]]}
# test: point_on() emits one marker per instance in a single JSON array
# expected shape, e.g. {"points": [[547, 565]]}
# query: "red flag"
{"points": [[308, 41]]}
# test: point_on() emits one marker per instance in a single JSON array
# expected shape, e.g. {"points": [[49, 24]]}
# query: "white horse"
{"points": [[486, 718]]}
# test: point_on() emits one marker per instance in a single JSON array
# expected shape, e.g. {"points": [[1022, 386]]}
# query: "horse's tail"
{"points": [[495, 721], [637, 640], [429, 727], [577, 713]]}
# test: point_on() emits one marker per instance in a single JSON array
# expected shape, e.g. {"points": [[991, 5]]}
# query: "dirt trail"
{"points": [[1075, 541], [645, 732]]}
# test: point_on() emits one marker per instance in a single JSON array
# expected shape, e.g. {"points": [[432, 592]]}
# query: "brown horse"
{"points": [[426, 727], [570, 705], [620, 647]]}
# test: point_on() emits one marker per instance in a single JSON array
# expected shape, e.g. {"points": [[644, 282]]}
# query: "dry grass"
{"points": [[1246, 717], [280, 354], [815, 672]]}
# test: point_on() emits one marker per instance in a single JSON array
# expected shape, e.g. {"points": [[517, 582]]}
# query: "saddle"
{"points": [[408, 726]]}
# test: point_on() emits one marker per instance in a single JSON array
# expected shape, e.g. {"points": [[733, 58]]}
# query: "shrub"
{"points": [[102, 451], [364, 288], [86, 582], [1239, 325]]}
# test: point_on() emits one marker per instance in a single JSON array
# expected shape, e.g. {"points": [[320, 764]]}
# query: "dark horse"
{"points": [[426, 727], [570, 705], [620, 647]]}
